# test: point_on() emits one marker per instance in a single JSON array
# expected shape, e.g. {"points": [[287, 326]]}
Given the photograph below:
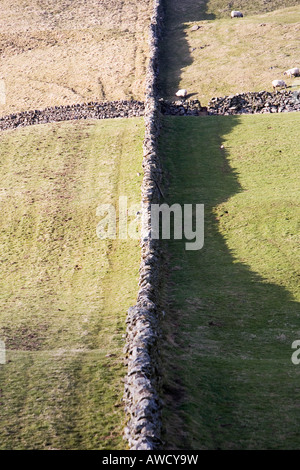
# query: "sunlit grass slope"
{"points": [[64, 292], [234, 305], [227, 56], [65, 52]]}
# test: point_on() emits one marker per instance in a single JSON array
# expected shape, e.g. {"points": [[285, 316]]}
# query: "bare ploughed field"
{"points": [[66, 52]]}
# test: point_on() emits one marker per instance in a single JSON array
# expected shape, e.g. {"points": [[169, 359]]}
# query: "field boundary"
{"points": [[92, 110], [142, 383], [256, 103], [243, 103]]}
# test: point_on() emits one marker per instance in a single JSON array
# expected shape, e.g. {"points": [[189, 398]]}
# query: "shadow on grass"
{"points": [[229, 381], [175, 54]]}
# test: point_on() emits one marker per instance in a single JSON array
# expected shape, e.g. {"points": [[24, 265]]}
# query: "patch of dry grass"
{"points": [[228, 56], [69, 52]]}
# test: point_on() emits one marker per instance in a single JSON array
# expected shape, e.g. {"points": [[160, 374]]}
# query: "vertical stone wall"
{"points": [[142, 400]]}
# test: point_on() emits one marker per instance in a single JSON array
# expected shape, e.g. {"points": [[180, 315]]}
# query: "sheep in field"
{"points": [[278, 84], [181, 93], [295, 72], [236, 14]]}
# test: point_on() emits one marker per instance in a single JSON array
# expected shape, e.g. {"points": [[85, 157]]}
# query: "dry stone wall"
{"points": [[93, 110], [244, 103], [256, 102], [182, 108], [142, 383]]}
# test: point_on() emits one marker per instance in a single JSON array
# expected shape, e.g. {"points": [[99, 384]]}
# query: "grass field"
{"points": [[234, 305], [66, 52], [228, 56], [65, 292]]}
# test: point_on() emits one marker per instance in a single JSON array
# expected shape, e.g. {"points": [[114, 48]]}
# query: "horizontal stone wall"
{"points": [[142, 383], [244, 103], [256, 102], [182, 108], [93, 110]]}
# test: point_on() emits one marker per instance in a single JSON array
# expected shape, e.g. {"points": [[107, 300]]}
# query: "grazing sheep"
{"points": [[181, 93], [295, 72], [236, 14], [278, 84]]}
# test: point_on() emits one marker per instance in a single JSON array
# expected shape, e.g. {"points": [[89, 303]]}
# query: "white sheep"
{"points": [[236, 14], [181, 93], [278, 84], [295, 72]]}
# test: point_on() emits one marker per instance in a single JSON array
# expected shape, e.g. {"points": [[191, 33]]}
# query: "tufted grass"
{"points": [[64, 292], [64, 52], [234, 305], [228, 56]]}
